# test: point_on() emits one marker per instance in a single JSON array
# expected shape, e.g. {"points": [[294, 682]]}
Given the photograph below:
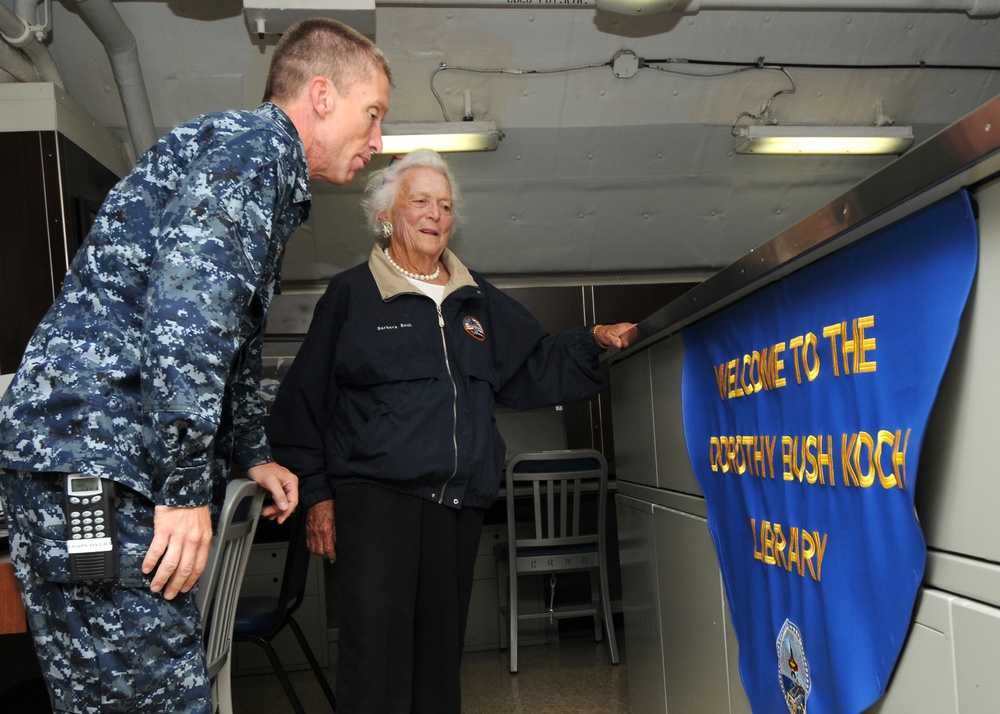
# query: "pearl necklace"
{"points": [[416, 276]]}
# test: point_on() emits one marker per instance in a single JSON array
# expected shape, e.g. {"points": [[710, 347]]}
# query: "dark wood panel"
{"points": [[52, 191]]}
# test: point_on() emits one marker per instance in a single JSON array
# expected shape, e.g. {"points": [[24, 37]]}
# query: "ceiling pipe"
{"points": [[17, 35], [973, 8], [16, 66], [119, 43]]}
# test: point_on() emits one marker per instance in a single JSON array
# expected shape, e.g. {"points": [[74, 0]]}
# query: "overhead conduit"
{"points": [[35, 64], [119, 43]]}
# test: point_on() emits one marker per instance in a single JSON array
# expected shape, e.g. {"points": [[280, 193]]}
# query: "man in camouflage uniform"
{"points": [[145, 371]]}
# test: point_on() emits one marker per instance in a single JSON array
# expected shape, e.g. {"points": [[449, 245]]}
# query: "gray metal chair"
{"points": [[219, 586], [259, 619], [564, 508]]}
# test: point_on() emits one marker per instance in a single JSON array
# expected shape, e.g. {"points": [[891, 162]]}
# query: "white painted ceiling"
{"points": [[596, 174]]}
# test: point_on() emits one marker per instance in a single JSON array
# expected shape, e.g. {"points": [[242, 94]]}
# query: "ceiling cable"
{"points": [[501, 70], [819, 65], [688, 64]]}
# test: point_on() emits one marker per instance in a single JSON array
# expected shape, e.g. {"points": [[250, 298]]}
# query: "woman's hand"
{"points": [[321, 531], [621, 335]]}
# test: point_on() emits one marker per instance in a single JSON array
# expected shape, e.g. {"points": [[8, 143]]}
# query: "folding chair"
{"points": [[259, 619], [564, 532], [219, 586]]}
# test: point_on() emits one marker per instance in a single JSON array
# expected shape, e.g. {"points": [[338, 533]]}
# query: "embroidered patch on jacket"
{"points": [[793, 668], [474, 328]]}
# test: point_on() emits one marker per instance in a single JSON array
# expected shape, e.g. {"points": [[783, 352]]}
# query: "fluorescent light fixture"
{"points": [[440, 136], [859, 140]]}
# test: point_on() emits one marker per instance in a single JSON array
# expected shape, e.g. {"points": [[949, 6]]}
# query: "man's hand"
{"points": [[283, 486], [321, 531], [181, 541]]}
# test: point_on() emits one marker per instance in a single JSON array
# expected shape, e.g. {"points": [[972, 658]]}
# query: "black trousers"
{"points": [[405, 573]]}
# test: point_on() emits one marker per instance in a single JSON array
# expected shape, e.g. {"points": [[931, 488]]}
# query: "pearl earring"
{"points": [[386, 230]]}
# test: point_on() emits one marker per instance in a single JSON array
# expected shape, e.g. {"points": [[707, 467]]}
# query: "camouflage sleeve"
{"points": [[250, 447], [302, 412], [210, 254]]}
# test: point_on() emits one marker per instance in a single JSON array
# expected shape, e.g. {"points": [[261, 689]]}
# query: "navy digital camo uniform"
{"points": [[146, 369]]}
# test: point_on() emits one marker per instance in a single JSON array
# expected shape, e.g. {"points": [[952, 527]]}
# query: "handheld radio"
{"points": [[90, 522]]}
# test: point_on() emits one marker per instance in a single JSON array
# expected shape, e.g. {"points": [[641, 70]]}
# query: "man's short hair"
{"points": [[320, 46]]}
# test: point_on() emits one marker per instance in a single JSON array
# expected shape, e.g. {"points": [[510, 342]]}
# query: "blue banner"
{"points": [[805, 406]]}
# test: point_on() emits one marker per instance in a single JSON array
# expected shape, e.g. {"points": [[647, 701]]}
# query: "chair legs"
{"points": [[502, 597], [272, 656], [512, 619], [304, 644], [608, 622], [279, 670], [600, 599], [222, 688]]}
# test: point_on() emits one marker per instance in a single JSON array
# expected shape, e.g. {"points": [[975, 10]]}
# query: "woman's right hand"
{"points": [[321, 531]]}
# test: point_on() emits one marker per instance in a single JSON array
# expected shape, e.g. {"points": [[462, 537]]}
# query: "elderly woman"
{"points": [[388, 408]]}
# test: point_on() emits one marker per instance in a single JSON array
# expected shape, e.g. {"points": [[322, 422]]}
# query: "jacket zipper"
{"points": [[454, 404]]}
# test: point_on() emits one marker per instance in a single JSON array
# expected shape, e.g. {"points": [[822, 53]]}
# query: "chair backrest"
{"points": [[531, 430], [219, 586], [293, 581], [567, 504]]}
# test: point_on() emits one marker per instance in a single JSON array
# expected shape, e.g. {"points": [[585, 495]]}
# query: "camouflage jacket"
{"points": [[146, 368]]}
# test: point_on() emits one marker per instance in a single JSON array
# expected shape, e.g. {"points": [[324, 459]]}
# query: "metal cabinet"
{"points": [[641, 606]]}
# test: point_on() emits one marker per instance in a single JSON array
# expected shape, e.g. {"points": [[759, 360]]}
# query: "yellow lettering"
{"points": [[778, 364], [810, 357], [720, 379], [808, 551], [793, 550], [884, 438], [767, 542], [714, 451], [801, 552], [794, 344], [833, 331], [820, 550], [899, 459], [779, 547], [731, 366], [846, 465], [865, 441], [865, 344], [824, 460], [864, 458], [854, 346]]}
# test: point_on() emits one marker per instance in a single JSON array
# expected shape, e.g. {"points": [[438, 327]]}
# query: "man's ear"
{"points": [[322, 95]]}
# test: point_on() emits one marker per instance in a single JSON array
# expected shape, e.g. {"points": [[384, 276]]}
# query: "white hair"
{"points": [[380, 192]]}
